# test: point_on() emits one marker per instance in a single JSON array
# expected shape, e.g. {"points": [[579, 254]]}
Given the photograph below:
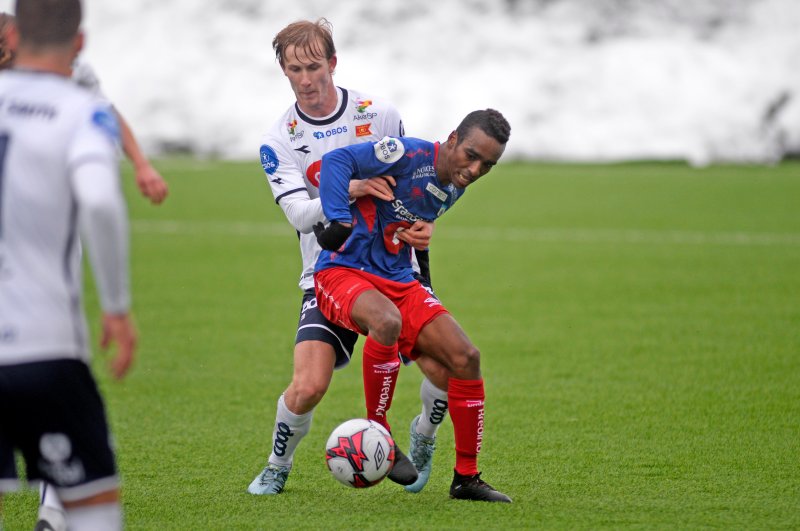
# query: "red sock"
{"points": [[465, 398], [380, 367]]}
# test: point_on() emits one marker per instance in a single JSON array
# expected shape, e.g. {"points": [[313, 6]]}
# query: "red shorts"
{"points": [[338, 288]]}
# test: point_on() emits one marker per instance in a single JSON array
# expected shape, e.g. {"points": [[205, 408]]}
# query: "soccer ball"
{"points": [[360, 453]]}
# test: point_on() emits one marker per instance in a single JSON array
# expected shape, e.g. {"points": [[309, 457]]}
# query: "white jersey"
{"points": [[59, 169], [291, 154], [84, 76]]}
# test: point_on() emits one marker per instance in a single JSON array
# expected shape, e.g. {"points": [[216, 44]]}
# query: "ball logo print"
{"points": [[360, 453]]}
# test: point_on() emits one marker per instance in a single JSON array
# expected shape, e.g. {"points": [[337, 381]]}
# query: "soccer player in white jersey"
{"points": [[58, 171], [151, 184], [323, 118]]}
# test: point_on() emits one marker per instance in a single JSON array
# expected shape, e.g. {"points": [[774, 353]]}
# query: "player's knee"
{"points": [[309, 394], [467, 363], [386, 325]]}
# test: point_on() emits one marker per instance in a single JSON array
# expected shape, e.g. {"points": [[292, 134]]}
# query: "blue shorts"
{"points": [[313, 326], [51, 411]]}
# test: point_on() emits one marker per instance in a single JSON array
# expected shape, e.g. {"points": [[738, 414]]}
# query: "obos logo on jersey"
{"points": [[269, 160], [389, 150]]}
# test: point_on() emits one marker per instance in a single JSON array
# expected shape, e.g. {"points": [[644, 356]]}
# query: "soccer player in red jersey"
{"points": [[364, 280]]}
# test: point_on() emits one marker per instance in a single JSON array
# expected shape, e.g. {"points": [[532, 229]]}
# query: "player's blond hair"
{"points": [[314, 38]]}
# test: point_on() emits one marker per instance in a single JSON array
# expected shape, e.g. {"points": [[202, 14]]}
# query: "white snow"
{"points": [[589, 80]]}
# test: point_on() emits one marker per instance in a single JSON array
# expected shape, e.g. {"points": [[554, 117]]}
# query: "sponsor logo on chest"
{"points": [[319, 135], [441, 195], [402, 212], [424, 171]]}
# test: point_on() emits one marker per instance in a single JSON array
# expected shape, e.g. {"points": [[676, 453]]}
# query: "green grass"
{"points": [[640, 335]]}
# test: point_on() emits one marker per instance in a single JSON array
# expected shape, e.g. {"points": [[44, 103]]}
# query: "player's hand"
{"points": [[151, 183], [417, 235], [380, 187], [333, 237], [119, 329]]}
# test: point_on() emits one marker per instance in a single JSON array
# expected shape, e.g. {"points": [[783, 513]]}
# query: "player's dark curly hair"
{"points": [[315, 38], [489, 121]]}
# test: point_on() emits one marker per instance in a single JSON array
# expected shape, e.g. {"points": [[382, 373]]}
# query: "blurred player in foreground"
{"points": [[59, 170], [364, 280], [323, 118], [150, 182]]}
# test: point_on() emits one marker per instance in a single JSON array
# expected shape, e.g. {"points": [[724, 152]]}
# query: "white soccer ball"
{"points": [[360, 453]]}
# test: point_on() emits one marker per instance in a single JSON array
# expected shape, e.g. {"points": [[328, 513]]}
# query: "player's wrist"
{"points": [[334, 235]]}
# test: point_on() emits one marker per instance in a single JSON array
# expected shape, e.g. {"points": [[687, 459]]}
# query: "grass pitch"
{"points": [[640, 335]]}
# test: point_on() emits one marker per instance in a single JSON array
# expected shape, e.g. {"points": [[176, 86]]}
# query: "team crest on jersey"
{"points": [[439, 194], [291, 126], [107, 122], [269, 160], [363, 130], [389, 150]]}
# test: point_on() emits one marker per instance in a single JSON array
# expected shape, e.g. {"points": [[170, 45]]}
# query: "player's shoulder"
{"points": [[393, 149], [84, 76], [281, 130], [367, 104]]}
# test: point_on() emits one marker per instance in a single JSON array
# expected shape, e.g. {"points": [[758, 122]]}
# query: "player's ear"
{"points": [[332, 64], [80, 40], [452, 140], [12, 37]]}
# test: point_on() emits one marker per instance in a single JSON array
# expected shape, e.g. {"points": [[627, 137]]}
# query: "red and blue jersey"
{"points": [[373, 246]]}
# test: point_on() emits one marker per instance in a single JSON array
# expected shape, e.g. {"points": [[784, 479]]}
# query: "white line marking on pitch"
{"points": [[591, 236]]}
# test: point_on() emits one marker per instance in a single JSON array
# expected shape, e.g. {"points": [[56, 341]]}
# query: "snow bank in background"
{"points": [[717, 80]]}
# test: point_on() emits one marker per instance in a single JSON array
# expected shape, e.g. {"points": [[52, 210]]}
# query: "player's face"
{"points": [[312, 81], [472, 158]]}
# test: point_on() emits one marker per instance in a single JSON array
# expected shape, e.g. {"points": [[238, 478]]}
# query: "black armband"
{"points": [[333, 237]]}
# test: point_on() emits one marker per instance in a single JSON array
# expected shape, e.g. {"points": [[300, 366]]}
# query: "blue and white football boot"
{"points": [[270, 481], [421, 454]]}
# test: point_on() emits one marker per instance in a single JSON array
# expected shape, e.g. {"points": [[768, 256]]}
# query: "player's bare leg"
{"points": [[313, 369], [445, 341]]}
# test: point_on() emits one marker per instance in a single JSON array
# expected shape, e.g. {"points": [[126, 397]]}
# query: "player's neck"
{"points": [[442, 163], [324, 107], [46, 60]]}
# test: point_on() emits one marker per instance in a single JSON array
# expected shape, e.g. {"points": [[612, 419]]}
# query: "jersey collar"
{"points": [[325, 121]]}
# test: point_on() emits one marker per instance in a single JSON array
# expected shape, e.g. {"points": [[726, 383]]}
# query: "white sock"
{"points": [[48, 496], [434, 408], [289, 430], [50, 508], [103, 517], [56, 518]]}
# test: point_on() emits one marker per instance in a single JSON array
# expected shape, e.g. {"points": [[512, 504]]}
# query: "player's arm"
{"points": [[303, 212], [338, 169], [149, 181], [104, 228]]}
